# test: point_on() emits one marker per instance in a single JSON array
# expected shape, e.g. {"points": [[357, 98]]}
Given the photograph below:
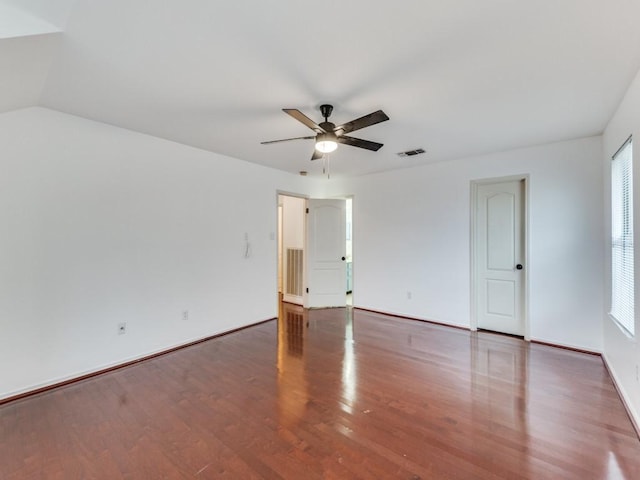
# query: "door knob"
{"points": [[343, 259], [519, 266]]}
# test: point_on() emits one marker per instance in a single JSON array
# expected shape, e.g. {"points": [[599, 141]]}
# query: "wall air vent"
{"points": [[411, 153]]}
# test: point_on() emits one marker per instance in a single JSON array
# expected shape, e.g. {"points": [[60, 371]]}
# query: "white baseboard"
{"points": [[628, 405]]}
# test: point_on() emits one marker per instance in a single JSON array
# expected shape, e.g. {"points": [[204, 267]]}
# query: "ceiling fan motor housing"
{"points": [[327, 126]]}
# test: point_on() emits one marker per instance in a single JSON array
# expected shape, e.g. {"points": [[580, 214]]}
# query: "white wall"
{"points": [[101, 225], [412, 233], [621, 352]]}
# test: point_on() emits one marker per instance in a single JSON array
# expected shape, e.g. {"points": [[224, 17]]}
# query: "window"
{"points": [[622, 297]]}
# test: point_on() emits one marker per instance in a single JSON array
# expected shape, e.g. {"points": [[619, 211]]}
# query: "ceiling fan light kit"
{"points": [[328, 135], [326, 142]]}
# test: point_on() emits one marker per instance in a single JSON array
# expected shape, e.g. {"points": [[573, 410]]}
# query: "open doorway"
{"points": [[315, 252], [291, 248], [349, 250]]}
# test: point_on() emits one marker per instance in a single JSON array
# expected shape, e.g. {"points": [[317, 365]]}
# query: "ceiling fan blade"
{"points": [[358, 142], [302, 118], [362, 122], [316, 154], [287, 139]]}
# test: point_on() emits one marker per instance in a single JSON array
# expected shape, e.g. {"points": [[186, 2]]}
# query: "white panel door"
{"points": [[499, 257], [326, 272]]}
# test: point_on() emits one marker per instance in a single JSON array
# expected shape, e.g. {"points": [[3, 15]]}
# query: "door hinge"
{"points": [[307, 289], [307, 210]]}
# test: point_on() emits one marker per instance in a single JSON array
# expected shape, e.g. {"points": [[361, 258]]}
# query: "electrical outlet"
{"points": [[185, 315], [122, 328], [408, 295]]}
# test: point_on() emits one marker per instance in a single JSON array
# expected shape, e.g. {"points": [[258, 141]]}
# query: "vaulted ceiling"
{"points": [[456, 77]]}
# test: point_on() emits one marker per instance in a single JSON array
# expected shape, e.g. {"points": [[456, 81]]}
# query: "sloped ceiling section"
{"points": [[24, 65], [27, 46], [457, 78], [52, 12], [17, 23]]}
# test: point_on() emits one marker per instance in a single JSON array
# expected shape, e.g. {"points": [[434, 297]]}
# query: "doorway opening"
{"points": [[291, 248], [349, 250], [315, 251]]}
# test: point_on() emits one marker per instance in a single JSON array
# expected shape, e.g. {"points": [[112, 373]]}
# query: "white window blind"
{"points": [[622, 297]]}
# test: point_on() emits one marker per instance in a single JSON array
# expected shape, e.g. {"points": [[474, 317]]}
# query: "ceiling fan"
{"points": [[328, 135]]}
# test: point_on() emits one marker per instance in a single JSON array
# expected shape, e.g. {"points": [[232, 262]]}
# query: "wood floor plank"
{"points": [[332, 394]]}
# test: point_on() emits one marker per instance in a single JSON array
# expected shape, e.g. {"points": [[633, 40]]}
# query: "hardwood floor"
{"points": [[332, 394]]}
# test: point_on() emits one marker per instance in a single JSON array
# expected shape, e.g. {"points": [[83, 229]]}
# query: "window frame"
{"points": [[622, 243]]}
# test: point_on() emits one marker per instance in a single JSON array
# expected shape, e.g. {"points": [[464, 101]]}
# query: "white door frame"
{"points": [[473, 230], [279, 233]]}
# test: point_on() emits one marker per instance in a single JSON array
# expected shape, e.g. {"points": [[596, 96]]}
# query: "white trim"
{"points": [[634, 416]]}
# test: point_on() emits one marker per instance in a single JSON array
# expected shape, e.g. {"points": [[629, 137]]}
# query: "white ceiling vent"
{"points": [[411, 153]]}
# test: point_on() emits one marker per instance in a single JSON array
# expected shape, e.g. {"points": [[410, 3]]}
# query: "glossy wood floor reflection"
{"points": [[337, 395]]}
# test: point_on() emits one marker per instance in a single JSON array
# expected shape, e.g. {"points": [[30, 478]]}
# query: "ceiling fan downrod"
{"points": [[325, 111]]}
